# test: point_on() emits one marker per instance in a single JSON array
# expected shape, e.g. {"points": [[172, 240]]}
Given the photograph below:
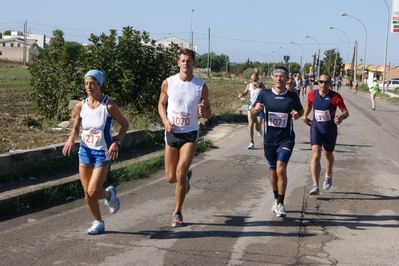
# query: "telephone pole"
{"points": [[25, 41]]}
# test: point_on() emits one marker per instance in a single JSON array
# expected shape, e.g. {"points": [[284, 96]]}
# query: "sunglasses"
{"points": [[323, 81]]}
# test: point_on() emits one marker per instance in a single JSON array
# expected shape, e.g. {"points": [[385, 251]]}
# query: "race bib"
{"points": [[322, 115], [181, 121], [92, 137], [277, 119]]}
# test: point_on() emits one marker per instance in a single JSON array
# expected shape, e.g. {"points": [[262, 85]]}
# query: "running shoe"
{"points": [[177, 220], [113, 201], [251, 146], [328, 182], [260, 133], [274, 206], [189, 174], [315, 190], [96, 228], [281, 212]]}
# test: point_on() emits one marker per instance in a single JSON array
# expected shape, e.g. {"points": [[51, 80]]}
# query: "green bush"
{"points": [[134, 66], [248, 72]]}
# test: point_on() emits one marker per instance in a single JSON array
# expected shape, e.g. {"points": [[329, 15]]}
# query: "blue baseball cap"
{"points": [[97, 74]]}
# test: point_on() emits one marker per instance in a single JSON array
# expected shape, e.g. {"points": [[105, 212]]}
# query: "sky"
{"points": [[258, 30]]}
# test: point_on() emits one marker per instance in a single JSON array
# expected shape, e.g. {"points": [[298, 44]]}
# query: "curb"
{"points": [[28, 196], [24, 198]]}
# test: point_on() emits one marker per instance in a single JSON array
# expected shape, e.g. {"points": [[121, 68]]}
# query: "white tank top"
{"points": [[253, 93], [183, 100], [298, 84], [96, 125]]}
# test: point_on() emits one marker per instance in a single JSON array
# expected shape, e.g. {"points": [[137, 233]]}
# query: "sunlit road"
{"points": [[227, 211]]}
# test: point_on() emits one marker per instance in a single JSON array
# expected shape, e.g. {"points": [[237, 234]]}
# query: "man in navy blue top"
{"points": [[281, 107], [323, 128]]}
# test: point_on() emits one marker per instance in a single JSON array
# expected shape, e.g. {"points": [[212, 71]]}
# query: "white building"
{"points": [[17, 50], [14, 47], [167, 41], [41, 39]]}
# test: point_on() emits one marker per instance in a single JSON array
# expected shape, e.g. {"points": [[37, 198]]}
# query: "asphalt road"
{"points": [[227, 211]]}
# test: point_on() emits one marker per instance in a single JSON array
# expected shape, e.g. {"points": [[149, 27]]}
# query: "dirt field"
{"points": [[17, 112]]}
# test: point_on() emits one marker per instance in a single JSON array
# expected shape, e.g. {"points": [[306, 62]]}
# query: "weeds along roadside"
{"points": [[15, 80], [66, 192], [14, 85]]}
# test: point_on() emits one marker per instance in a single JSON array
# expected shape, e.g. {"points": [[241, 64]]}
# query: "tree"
{"points": [[54, 78], [332, 62], [294, 67], [218, 62], [202, 61], [134, 67], [248, 72], [314, 63], [306, 68], [58, 36], [241, 67]]}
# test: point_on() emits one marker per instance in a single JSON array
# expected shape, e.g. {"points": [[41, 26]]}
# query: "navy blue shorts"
{"points": [[326, 139], [281, 152]]}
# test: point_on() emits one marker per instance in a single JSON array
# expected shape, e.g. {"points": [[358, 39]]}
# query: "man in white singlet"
{"points": [[253, 88], [298, 83], [183, 96]]}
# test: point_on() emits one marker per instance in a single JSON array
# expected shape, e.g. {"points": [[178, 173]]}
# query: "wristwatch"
{"points": [[114, 139]]}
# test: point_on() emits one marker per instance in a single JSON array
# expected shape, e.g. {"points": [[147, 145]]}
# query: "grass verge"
{"points": [[63, 193]]}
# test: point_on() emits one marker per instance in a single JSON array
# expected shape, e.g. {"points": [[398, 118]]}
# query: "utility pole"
{"points": [[209, 49], [191, 30], [335, 62], [355, 62], [25, 41]]}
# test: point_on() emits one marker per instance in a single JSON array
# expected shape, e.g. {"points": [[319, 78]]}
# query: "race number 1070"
{"points": [[181, 121]]}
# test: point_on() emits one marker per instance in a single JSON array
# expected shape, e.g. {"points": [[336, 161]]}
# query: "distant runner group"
{"points": [[280, 106]]}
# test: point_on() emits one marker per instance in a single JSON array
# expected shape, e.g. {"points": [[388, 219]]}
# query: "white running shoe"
{"points": [[96, 228], [281, 212], [177, 220], [260, 133], [251, 146], [274, 206], [113, 202]]}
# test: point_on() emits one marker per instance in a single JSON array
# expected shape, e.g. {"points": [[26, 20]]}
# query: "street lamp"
{"points": [[365, 42], [268, 63], [277, 53], [191, 30], [271, 56], [288, 58], [318, 56], [386, 48], [347, 55], [302, 57]]}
